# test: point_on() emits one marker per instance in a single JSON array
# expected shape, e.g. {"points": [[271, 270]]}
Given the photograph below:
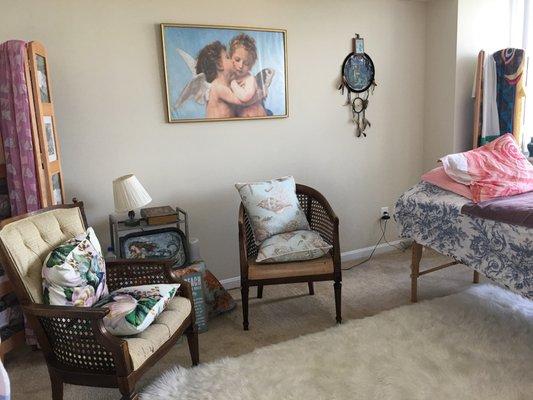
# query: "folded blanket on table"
{"points": [[516, 210], [496, 169]]}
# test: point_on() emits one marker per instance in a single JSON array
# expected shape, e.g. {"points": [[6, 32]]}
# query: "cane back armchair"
{"points": [[77, 347], [322, 219]]}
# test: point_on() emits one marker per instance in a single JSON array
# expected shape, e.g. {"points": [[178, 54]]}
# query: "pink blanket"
{"points": [[494, 170]]}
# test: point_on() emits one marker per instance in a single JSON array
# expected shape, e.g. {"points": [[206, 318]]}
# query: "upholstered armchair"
{"points": [[322, 219], [77, 348]]}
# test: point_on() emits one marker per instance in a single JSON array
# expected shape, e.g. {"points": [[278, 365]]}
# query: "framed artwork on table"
{"points": [[218, 73], [165, 243]]}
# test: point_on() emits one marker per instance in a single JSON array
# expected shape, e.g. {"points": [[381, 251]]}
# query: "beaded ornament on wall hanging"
{"points": [[357, 76]]}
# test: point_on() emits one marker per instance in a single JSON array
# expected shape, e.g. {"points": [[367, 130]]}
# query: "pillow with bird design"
{"points": [[272, 207], [132, 309], [74, 272], [292, 246]]}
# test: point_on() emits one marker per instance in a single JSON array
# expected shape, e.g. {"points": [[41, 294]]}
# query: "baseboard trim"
{"points": [[366, 251], [235, 282]]}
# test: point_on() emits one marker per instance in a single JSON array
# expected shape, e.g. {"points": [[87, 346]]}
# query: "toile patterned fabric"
{"points": [[74, 272], [132, 309], [292, 246], [432, 217], [272, 207]]}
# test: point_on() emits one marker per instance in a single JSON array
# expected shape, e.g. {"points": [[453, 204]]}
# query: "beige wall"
{"points": [[456, 30], [439, 107], [106, 74]]}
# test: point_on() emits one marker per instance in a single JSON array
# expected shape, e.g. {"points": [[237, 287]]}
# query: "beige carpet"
{"points": [[284, 313]]}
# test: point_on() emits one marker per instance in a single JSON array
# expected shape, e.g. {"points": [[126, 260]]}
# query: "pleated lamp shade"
{"points": [[129, 194]]}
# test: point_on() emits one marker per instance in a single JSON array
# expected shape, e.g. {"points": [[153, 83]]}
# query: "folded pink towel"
{"points": [[494, 170], [439, 178]]}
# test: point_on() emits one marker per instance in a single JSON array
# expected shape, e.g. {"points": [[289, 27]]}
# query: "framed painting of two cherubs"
{"points": [[218, 73]]}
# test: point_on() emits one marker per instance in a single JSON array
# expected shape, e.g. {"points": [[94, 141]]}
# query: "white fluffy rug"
{"points": [[477, 344]]}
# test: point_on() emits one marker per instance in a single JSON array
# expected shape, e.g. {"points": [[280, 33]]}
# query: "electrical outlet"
{"points": [[384, 212]]}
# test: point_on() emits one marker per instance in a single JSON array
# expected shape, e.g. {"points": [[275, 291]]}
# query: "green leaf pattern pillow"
{"points": [[74, 272], [134, 308]]}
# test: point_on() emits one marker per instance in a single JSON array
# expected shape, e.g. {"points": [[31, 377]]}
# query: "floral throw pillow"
{"points": [[74, 272], [134, 308], [292, 246], [272, 207]]}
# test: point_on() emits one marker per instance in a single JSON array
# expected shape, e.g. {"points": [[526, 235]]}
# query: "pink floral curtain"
{"points": [[15, 129]]}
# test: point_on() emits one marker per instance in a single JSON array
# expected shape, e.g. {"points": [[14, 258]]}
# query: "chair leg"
{"points": [[133, 395], [192, 340], [416, 256], [259, 291], [337, 287], [476, 277], [127, 389], [244, 296], [311, 288], [57, 385]]}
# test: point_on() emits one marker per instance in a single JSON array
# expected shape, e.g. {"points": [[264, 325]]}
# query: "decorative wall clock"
{"points": [[357, 76]]}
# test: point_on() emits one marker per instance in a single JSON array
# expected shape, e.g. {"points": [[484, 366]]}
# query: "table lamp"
{"points": [[129, 194]]}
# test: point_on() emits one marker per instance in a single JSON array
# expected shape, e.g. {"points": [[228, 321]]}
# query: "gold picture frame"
{"points": [[242, 75]]}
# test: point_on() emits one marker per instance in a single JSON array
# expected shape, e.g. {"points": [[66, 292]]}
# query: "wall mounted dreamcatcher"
{"points": [[357, 76]]}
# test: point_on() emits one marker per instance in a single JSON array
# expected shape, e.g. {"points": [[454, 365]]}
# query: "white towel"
{"points": [[490, 121]]}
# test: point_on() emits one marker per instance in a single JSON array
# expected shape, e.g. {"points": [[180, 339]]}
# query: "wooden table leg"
{"points": [[415, 268], [476, 277]]}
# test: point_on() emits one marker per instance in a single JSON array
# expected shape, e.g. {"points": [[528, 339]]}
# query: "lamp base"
{"points": [[132, 221]]}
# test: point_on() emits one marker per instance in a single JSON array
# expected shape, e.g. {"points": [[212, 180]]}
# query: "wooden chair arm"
{"points": [[56, 326], [243, 245], [47, 311]]}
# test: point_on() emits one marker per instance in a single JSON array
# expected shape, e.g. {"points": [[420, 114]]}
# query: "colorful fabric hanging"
{"points": [[510, 92]]}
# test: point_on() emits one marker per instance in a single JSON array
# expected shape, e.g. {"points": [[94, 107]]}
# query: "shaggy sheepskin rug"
{"points": [[477, 344]]}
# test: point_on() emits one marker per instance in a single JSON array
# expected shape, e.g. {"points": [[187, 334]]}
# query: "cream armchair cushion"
{"points": [[29, 241], [144, 344]]}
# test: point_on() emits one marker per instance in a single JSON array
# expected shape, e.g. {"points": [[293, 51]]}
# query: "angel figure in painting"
{"points": [[243, 53], [223, 83]]}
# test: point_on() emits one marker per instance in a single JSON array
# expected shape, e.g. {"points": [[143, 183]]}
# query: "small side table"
{"points": [[117, 228]]}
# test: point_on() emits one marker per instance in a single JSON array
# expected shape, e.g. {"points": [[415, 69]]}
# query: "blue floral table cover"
{"points": [[432, 217]]}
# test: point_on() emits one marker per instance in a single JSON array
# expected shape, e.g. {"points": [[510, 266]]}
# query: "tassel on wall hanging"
{"points": [[357, 76]]}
